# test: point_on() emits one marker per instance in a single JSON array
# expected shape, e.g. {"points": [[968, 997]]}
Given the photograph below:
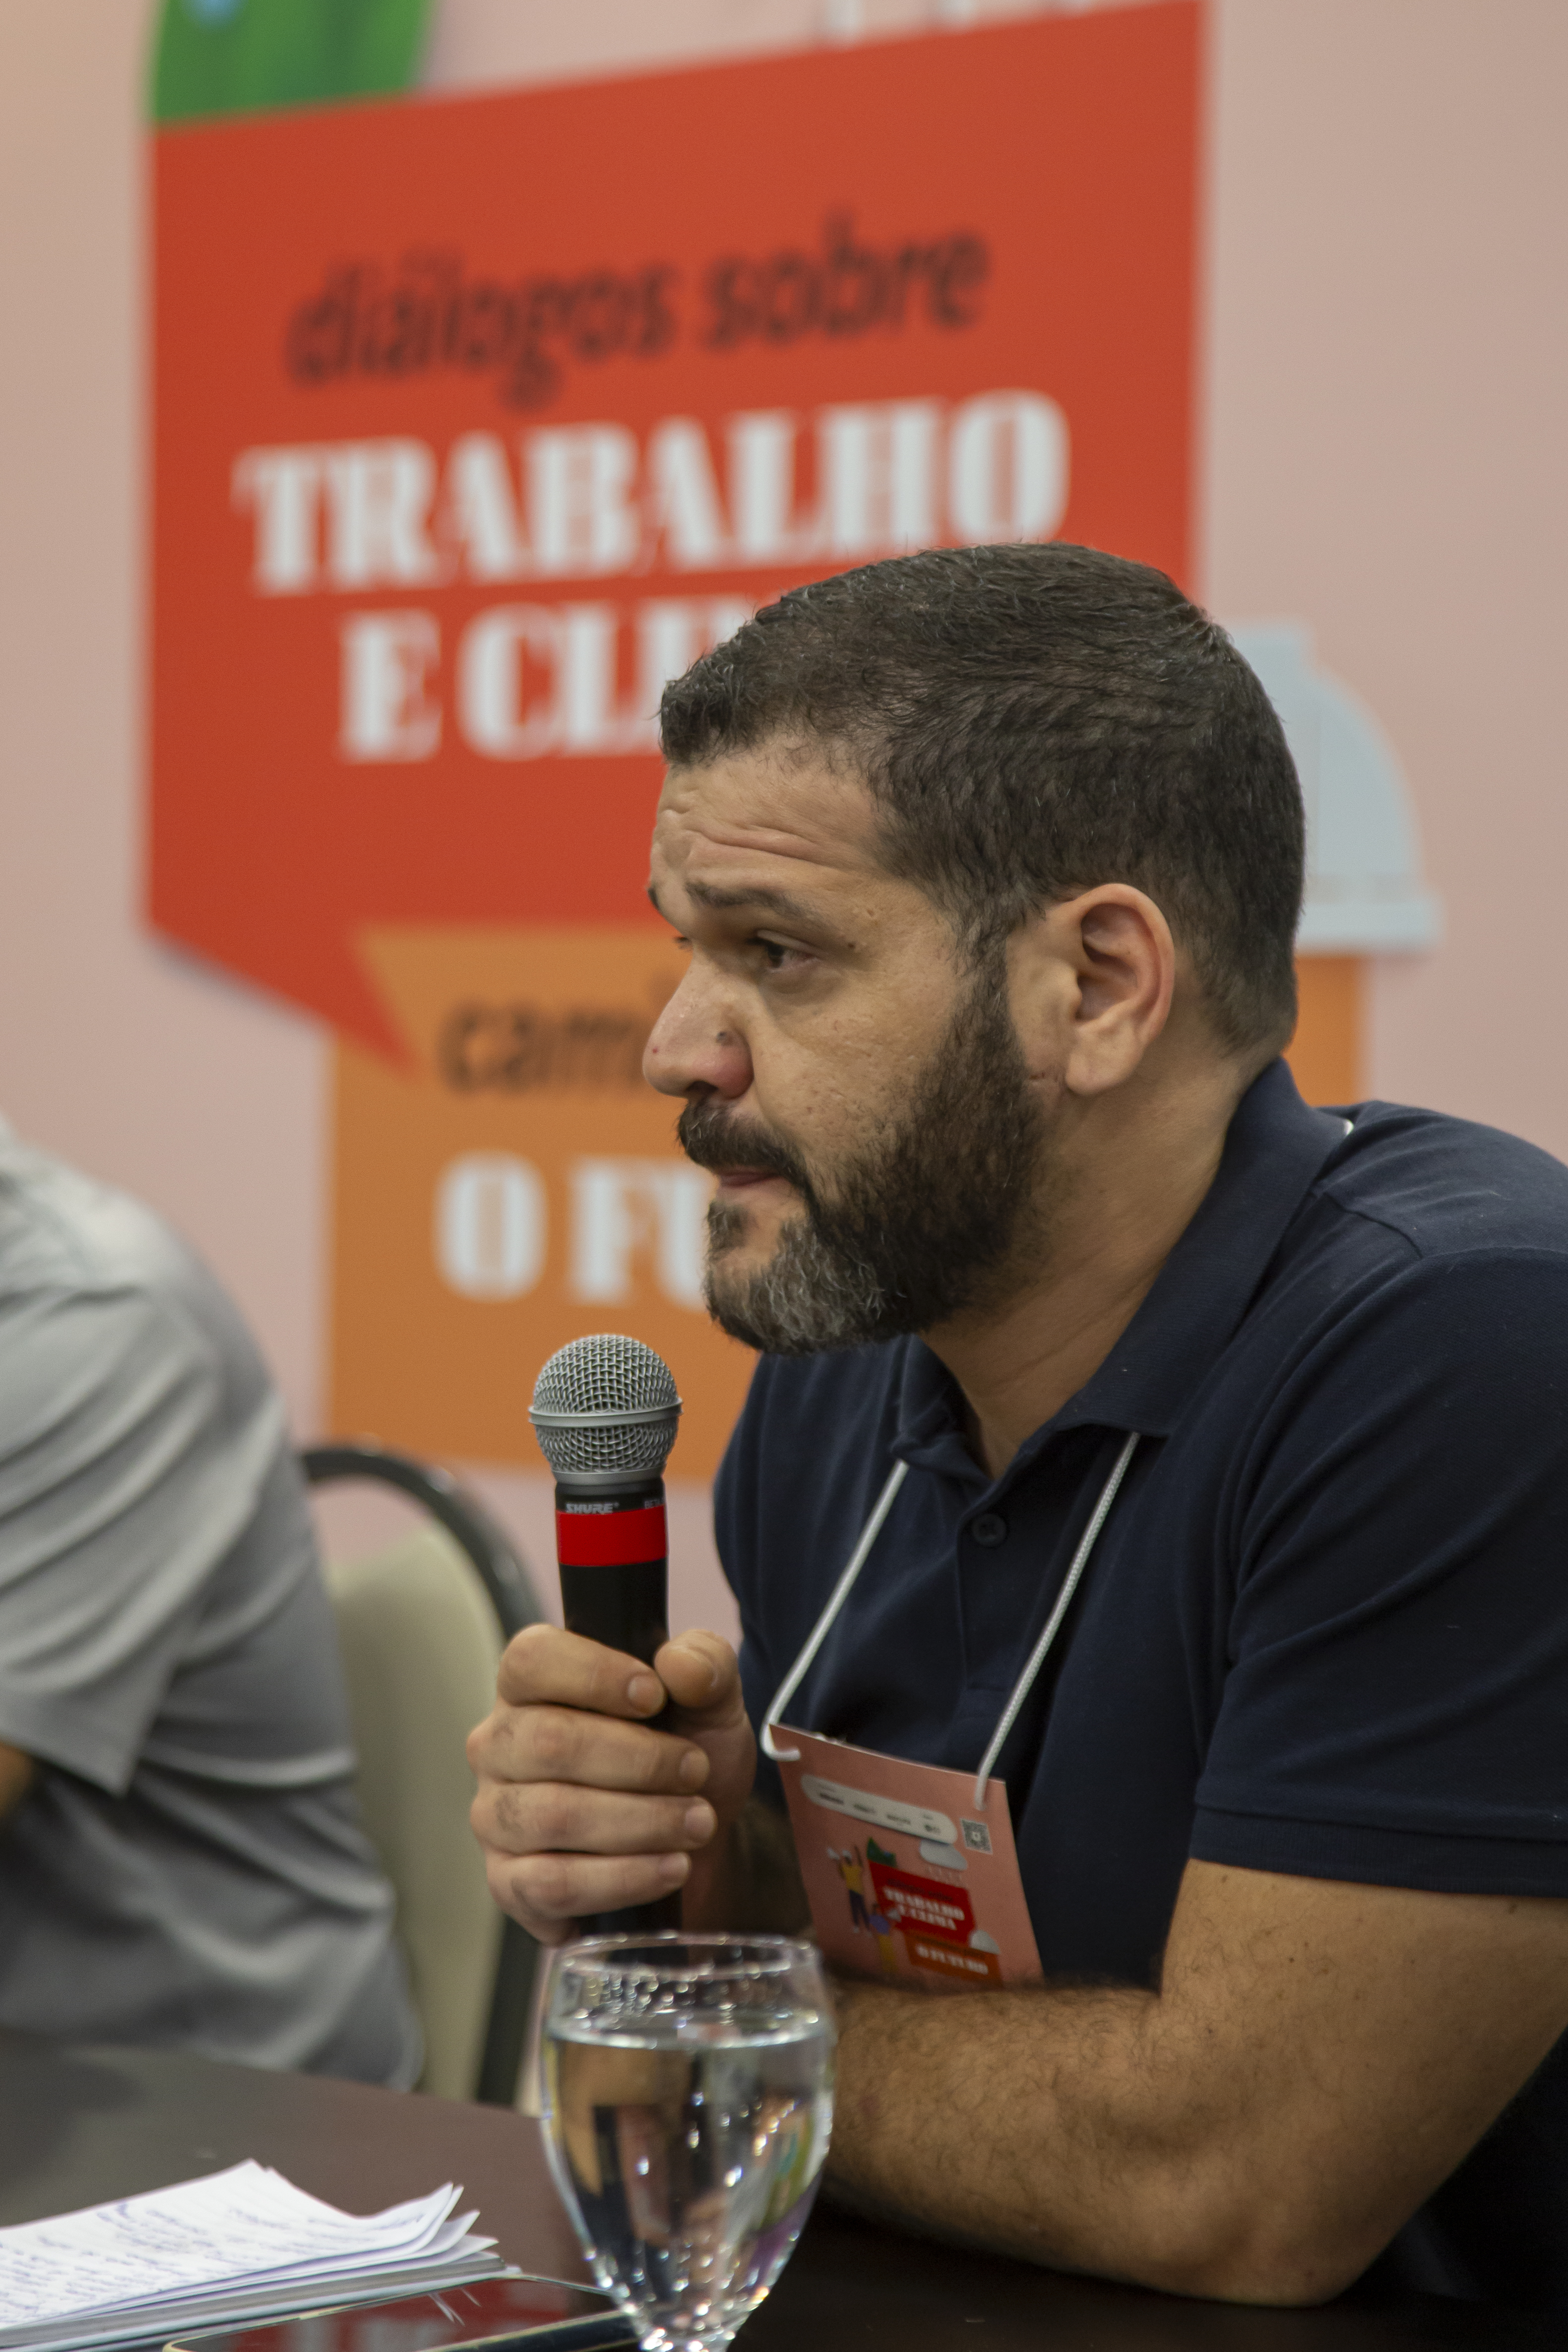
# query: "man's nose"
{"points": [[695, 1042]]}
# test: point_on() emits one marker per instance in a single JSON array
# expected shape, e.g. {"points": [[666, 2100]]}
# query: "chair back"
{"points": [[420, 1646], [422, 1625]]}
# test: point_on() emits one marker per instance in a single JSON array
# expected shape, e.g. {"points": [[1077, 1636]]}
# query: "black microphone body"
{"points": [[614, 1570], [612, 1544]]}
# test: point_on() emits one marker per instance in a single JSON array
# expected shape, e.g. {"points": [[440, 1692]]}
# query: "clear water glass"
{"points": [[688, 2103]]}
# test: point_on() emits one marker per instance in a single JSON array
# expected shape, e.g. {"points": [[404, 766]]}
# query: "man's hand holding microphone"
{"points": [[616, 1766], [587, 1805]]}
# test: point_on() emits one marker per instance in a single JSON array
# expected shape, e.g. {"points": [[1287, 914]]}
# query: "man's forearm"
{"points": [[1317, 2061], [946, 2114], [972, 2116], [1058, 2125], [752, 1881], [1065, 2126]]}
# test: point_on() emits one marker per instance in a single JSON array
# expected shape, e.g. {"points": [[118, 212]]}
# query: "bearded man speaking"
{"points": [[1201, 1460]]}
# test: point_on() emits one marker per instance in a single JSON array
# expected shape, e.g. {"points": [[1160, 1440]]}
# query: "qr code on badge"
{"points": [[976, 1836]]}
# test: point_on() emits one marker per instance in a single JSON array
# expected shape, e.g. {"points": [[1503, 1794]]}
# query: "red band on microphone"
{"points": [[610, 1538]]}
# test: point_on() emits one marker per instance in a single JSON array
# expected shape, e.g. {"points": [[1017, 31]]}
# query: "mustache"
{"points": [[716, 1138]]}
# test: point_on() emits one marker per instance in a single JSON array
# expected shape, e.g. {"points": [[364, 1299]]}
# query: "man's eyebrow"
{"points": [[763, 901]]}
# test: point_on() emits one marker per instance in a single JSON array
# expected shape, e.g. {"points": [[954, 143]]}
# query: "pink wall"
{"points": [[1384, 458]]}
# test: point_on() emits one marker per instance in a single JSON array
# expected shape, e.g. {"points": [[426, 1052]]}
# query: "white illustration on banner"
{"points": [[1365, 895]]}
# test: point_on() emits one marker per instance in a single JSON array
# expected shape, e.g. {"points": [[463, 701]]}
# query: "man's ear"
{"points": [[1091, 981]]}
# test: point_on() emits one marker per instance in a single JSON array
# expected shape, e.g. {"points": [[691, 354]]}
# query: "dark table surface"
{"points": [[79, 2126]]}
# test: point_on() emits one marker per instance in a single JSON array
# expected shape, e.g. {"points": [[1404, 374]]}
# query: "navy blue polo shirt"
{"points": [[1325, 1629]]}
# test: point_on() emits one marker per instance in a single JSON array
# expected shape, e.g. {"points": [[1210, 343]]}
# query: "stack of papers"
{"points": [[240, 2245]]}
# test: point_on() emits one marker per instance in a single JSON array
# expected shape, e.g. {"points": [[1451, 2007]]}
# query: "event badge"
{"points": [[909, 1880]]}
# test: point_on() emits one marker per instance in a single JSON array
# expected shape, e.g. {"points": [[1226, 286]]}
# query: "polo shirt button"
{"points": [[989, 1528]]}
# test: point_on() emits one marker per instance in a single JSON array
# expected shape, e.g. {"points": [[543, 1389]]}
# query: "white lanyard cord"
{"points": [[839, 1594], [1025, 1682]]}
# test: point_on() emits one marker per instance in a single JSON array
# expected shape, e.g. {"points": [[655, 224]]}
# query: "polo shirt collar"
{"points": [[1275, 1148]]}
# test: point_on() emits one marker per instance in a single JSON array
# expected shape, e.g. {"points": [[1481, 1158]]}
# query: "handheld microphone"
{"points": [[605, 1412]]}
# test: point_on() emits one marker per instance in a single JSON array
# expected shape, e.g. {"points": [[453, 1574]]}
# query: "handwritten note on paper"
{"points": [[240, 2242]]}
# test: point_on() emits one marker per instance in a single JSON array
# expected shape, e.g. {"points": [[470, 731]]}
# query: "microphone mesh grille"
{"points": [[619, 1379]]}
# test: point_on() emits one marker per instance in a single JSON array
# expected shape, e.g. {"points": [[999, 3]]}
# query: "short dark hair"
{"points": [[1032, 720]]}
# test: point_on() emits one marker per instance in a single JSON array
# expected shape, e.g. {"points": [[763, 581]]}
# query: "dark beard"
{"points": [[921, 1227]]}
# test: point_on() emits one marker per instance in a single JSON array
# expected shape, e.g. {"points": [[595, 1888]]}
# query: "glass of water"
{"points": [[688, 2101]]}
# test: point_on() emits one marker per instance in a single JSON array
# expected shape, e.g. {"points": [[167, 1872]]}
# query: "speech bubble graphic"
{"points": [[881, 1812], [943, 1856]]}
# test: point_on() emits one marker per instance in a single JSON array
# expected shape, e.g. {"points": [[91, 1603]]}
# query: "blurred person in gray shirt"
{"points": [[180, 1860]]}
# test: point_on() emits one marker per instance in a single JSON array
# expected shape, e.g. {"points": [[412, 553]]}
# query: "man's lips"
{"points": [[739, 1180]]}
